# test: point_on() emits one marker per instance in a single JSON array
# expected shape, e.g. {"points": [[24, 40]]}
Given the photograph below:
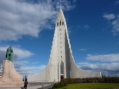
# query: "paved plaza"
{"points": [[33, 86]]}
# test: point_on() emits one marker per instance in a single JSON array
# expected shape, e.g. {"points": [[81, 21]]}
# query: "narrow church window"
{"points": [[61, 56], [62, 23], [61, 51], [62, 68], [57, 24]]}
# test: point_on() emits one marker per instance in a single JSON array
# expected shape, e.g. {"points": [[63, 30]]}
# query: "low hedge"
{"points": [[92, 80], [60, 84], [66, 81]]}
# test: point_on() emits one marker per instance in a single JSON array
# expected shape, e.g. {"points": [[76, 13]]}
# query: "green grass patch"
{"points": [[90, 85]]}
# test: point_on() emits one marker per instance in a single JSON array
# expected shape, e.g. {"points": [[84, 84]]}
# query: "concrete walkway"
{"points": [[32, 86]]}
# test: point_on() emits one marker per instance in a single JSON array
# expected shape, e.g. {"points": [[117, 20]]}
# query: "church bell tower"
{"points": [[61, 63]]}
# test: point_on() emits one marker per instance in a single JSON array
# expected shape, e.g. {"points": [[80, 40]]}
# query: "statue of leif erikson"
{"points": [[9, 54]]}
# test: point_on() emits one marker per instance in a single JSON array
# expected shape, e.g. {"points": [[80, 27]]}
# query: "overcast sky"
{"points": [[93, 28]]}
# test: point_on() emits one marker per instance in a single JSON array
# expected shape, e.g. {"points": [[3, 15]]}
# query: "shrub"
{"points": [[103, 79], [60, 84]]}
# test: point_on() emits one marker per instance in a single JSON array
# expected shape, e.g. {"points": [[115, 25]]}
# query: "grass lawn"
{"points": [[90, 85]]}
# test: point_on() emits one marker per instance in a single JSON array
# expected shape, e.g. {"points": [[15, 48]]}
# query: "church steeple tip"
{"points": [[60, 19]]}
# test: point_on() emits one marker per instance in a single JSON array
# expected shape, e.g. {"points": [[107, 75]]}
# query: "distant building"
{"points": [[1, 71]]}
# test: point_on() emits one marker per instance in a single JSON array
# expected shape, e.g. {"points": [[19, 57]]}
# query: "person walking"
{"points": [[25, 84]]}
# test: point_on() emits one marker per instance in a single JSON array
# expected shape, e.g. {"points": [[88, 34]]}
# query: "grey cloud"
{"points": [[74, 0], [83, 63], [27, 70], [18, 54], [86, 27], [20, 62], [109, 16], [35, 62], [108, 62], [115, 24], [111, 68], [19, 18], [83, 49], [117, 2], [107, 57], [2, 57]]}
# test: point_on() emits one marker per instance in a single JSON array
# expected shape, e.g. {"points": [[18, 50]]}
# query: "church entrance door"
{"points": [[62, 77]]}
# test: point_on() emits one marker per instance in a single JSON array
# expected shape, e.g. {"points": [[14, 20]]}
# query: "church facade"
{"points": [[61, 63]]}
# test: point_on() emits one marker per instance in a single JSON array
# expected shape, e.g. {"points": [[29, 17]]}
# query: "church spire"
{"points": [[60, 18]]}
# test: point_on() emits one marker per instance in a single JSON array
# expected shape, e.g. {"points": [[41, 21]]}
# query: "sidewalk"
{"points": [[46, 86]]}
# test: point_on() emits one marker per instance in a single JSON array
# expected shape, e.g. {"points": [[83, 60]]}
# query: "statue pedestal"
{"points": [[10, 78]]}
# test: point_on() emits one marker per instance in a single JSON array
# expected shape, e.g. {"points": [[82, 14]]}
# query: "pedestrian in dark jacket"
{"points": [[25, 84]]}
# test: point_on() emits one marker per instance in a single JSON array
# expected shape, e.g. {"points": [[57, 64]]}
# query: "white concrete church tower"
{"points": [[61, 63]]}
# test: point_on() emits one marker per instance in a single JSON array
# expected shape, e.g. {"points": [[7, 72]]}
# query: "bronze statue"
{"points": [[9, 54]]}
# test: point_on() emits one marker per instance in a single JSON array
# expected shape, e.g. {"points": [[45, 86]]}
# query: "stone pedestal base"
{"points": [[10, 78]]}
